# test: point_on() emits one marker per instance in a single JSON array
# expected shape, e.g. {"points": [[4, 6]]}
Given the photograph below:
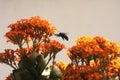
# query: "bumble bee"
{"points": [[63, 36]]}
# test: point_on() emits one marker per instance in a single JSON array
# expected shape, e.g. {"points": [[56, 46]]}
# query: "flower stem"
{"points": [[50, 57]]}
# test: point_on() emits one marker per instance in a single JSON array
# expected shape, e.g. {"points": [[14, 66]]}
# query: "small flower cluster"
{"points": [[33, 28], [92, 59], [32, 36], [88, 47], [53, 47], [9, 57]]}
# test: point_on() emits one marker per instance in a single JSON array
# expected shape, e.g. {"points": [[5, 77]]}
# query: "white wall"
{"points": [[76, 17]]}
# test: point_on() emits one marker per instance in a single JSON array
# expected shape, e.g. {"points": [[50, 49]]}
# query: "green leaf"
{"points": [[33, 58], [28, 64], [1, 59], [55, 73], [40, 63]]}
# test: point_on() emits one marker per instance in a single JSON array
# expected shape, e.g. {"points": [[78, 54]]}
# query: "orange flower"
{"points": [[86, 69], [115, 48], [17, 59], [62, 65], [52, 30], [9, 77], [93, 76], [116, 63], [71, 73], [2, 56], [35, 27], [92, 63], [15, 37], [89, 76], [84, 39], [84, 55], [97, 76], [56, 44], [9, 55], [74, 53], [70, 55], [53, 47], [101, 40]]}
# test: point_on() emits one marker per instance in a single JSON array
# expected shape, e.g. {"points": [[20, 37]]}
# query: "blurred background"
{"points": [[75, 17]]}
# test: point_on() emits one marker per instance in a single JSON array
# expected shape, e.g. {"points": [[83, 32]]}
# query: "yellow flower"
{"points": [[62, 65], [116, 63], [83, 39]]}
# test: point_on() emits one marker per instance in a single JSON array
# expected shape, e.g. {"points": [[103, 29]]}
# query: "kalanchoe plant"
{"points": [[34, 45], [92, 58]]}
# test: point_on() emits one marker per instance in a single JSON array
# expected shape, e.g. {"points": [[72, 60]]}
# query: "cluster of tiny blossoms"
{"points": [[33, 28], [88, 47], [92, 59], [33, 32], [32, 36]]}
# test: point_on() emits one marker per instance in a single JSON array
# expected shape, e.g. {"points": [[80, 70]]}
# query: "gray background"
{"points": [[75, 17]]}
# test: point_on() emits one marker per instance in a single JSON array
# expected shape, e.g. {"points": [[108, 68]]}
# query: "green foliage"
{"points": [[55, 73], [40, 61]]}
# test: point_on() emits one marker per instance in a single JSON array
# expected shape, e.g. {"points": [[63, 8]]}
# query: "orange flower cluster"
{"points": [[9, 57], [94, 76], [71, 73], [88, 46], [116, 63], [35, 28], [35, 33], [92, 58], [34, 44], [96, 58], [53, 47], [114, 67]]}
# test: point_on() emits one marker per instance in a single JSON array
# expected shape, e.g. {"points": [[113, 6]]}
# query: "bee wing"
{"points": [[63, 32], [62, 35], [66, 33], [57, 35]]}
